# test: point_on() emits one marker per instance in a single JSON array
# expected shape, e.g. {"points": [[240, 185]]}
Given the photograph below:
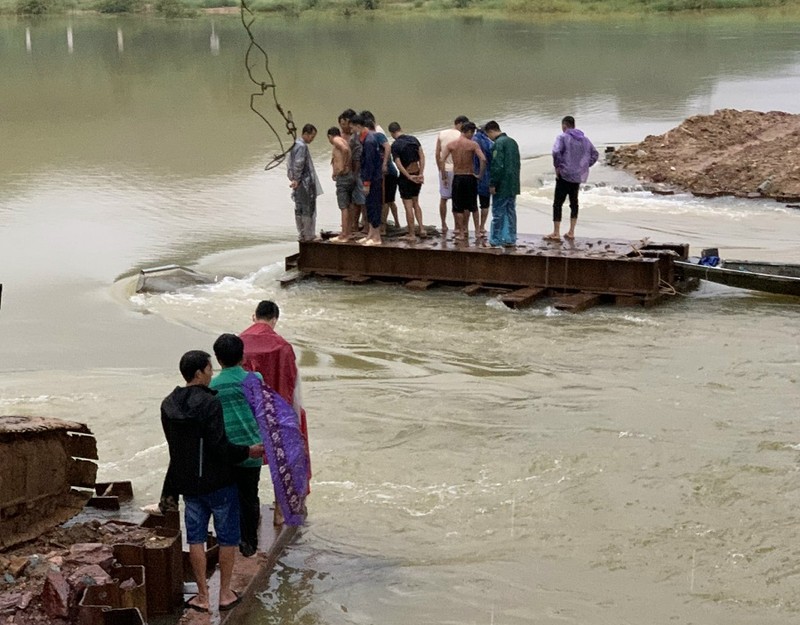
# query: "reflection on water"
{"points": [[288, 596], [177, 88]]}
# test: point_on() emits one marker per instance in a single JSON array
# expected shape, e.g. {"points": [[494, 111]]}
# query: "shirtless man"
{"points": [[357, 207], [465, 181], [342, 174], [445, 164]]}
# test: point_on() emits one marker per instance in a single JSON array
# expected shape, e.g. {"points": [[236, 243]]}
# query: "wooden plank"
{"points": [[291, 261], [522, 298], [82, 446], [82, 473], [290, 277], [576, 302], [473, 289], [419, 285], [357, 279], [122, 490], [104, 502]]}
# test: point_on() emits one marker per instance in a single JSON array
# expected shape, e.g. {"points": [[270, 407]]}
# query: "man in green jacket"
{"points": [[241, 428], [503, 186]]}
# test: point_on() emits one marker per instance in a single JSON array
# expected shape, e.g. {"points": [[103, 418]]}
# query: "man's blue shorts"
{"points": [[223, 504]]}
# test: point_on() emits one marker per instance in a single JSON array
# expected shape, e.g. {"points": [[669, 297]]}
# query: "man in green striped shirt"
{"points": [[241, 429]]}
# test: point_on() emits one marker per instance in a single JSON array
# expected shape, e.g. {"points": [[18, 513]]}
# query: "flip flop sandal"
{"points": [[232, 604], [192, 606]]}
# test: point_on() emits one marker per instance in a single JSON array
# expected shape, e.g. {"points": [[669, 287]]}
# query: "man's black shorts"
{"points": [[408, 189], [484, 201], [465, 193]]}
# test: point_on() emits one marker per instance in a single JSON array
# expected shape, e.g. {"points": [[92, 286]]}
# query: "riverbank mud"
{"points": [[742, 153]]}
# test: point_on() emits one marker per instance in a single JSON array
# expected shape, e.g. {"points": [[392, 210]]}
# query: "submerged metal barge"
{"points": [[579, 272]]}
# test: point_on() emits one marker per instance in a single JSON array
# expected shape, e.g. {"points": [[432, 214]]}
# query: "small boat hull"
{"points": [[777, 278]]}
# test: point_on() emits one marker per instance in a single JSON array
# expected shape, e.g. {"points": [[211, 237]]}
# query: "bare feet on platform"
{"points": [[569, 235], [552, 237], [370, 242], [341, 239], [277, 516], [408, 237], [444, 228], [422, 233]]}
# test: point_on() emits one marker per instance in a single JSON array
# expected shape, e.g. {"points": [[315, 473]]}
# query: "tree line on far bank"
{"points": [[347, 8], [166, 8]]}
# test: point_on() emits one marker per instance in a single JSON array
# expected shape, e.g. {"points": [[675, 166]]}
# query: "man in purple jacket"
{"points": [[573, 155]]}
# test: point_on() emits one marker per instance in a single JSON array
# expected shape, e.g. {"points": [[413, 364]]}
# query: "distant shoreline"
{"points": [[469, 9]]}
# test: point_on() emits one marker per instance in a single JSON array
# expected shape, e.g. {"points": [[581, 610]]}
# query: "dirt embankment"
{"points": [[741, 153]]}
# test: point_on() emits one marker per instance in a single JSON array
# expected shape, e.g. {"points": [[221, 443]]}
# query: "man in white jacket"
{"points": [[304, 184]]}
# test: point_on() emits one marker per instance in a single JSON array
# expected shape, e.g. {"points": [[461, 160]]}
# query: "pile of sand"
{"points": [[741, 153]]}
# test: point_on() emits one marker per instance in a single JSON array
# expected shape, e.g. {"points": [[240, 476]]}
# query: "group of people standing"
{"points": [[220, 430], [478, 167]]}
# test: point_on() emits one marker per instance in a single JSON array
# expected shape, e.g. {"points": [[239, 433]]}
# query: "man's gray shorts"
{"points": [[348, 190]]}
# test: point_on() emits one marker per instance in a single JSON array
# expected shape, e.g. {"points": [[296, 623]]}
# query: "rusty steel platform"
{"points": [[622, 271]]}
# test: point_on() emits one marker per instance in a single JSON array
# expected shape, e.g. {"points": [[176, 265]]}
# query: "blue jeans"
{"points": [[503, 230], [223, 505]]}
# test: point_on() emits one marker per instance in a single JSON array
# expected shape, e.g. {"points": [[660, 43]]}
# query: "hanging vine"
{"points": [[254, 56]]}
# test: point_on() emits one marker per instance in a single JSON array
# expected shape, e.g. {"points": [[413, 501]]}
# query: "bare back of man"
{"points": [[342, 174], [463, 151]]}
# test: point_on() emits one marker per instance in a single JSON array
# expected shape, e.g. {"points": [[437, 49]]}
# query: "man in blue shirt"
{"points": [[484, 197], [372, 177]]}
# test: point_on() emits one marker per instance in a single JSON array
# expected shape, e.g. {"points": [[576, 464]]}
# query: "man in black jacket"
{"points": [[201, 461]]}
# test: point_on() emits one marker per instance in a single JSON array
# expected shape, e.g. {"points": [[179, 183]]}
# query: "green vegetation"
{"points": [[35, 7], [174, 8], [119, 6], [295, 8], [512, 7]]}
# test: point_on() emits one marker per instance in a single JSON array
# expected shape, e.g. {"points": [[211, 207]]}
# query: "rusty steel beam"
{"points": [[577, 302], [557, 269], [522, 298]]}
